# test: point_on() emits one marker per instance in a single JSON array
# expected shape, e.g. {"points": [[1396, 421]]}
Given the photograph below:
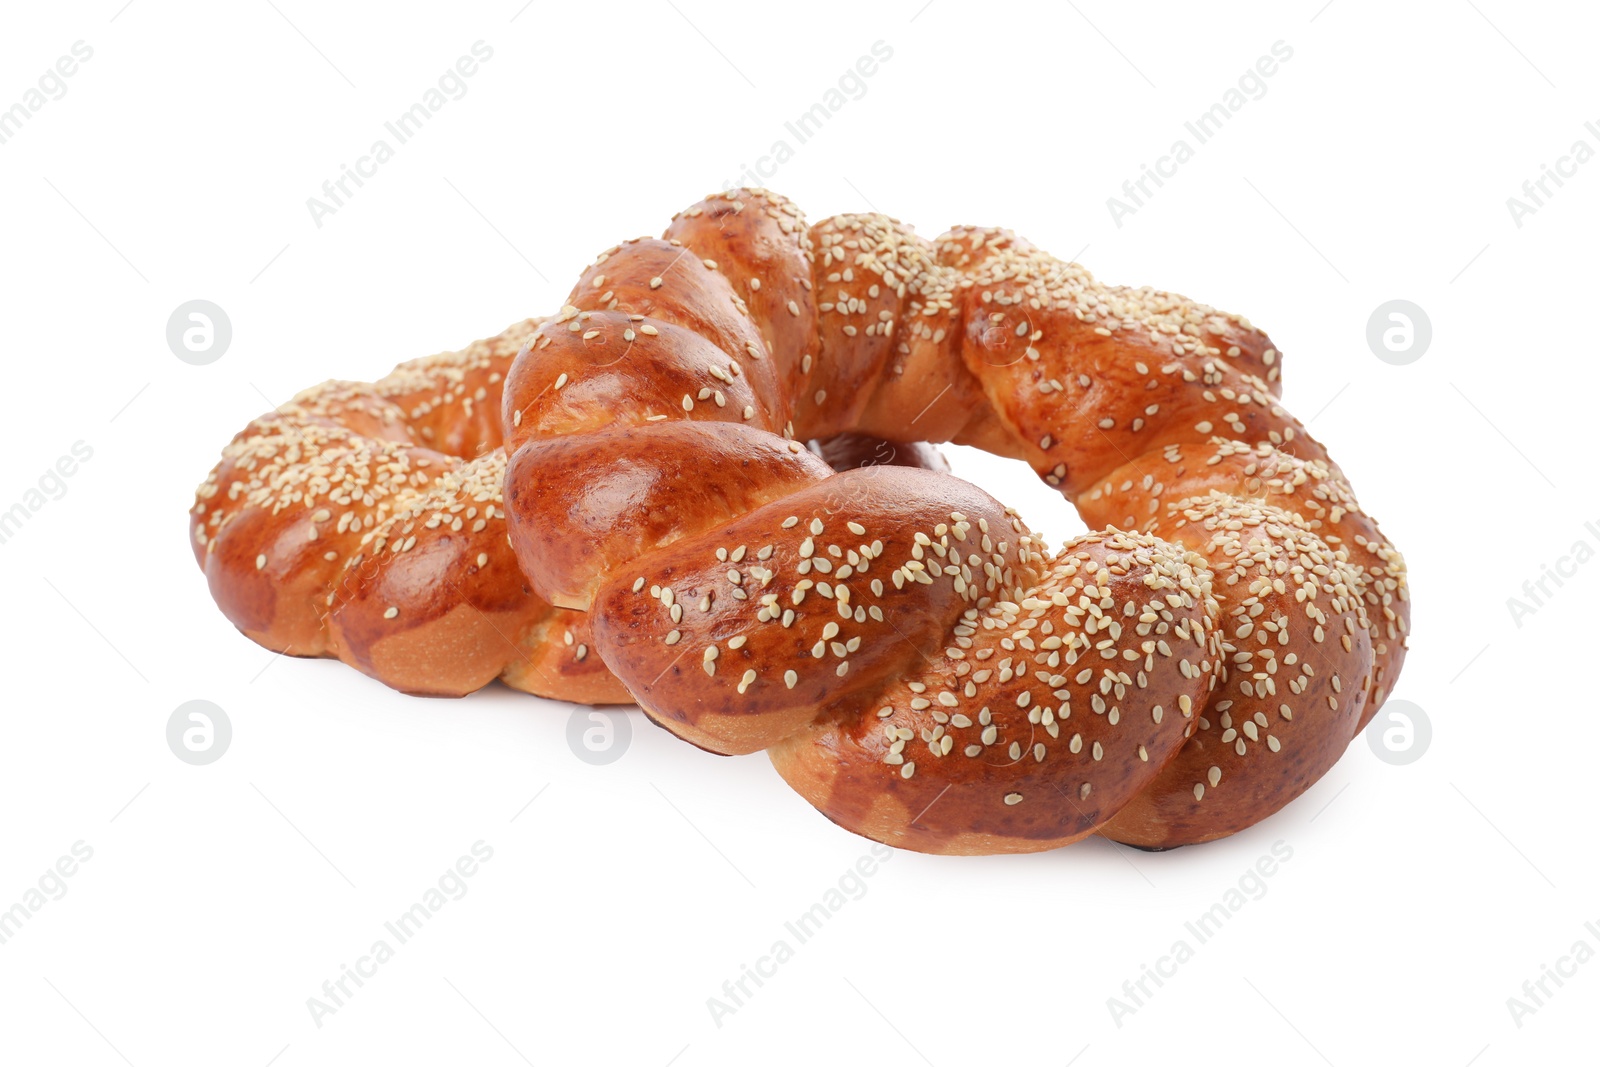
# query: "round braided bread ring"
{"points": [[365, 521], [919, 667]]}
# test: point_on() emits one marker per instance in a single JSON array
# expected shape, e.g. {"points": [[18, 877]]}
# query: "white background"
{"points": [[177, 166]]}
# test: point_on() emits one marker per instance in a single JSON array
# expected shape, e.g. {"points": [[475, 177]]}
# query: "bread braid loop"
{"points": [[367, 521], [918, 665]]}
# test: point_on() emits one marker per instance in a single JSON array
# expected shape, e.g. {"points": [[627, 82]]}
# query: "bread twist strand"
{"points": [[366, 521], [1159, 689]]}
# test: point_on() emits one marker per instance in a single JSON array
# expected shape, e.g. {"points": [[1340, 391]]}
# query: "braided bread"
{"points": [[366, 521], [916, 662]]}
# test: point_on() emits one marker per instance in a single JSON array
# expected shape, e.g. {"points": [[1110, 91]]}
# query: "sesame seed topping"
{"points": [[1265, 607]]}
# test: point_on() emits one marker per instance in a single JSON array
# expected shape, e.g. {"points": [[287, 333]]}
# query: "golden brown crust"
{"points": [[919, 667], [1255, 619], [329, 529], [1034, 736], [622, 494], [798, 603], [366, 520], [1148, 495], [1297, 657]]}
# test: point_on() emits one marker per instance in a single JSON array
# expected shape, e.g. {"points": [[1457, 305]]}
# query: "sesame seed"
{"points": [[1031, 617]]}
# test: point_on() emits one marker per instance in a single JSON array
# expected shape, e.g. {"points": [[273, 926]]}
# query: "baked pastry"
{"points": [[919, 666], [365, 521]]}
